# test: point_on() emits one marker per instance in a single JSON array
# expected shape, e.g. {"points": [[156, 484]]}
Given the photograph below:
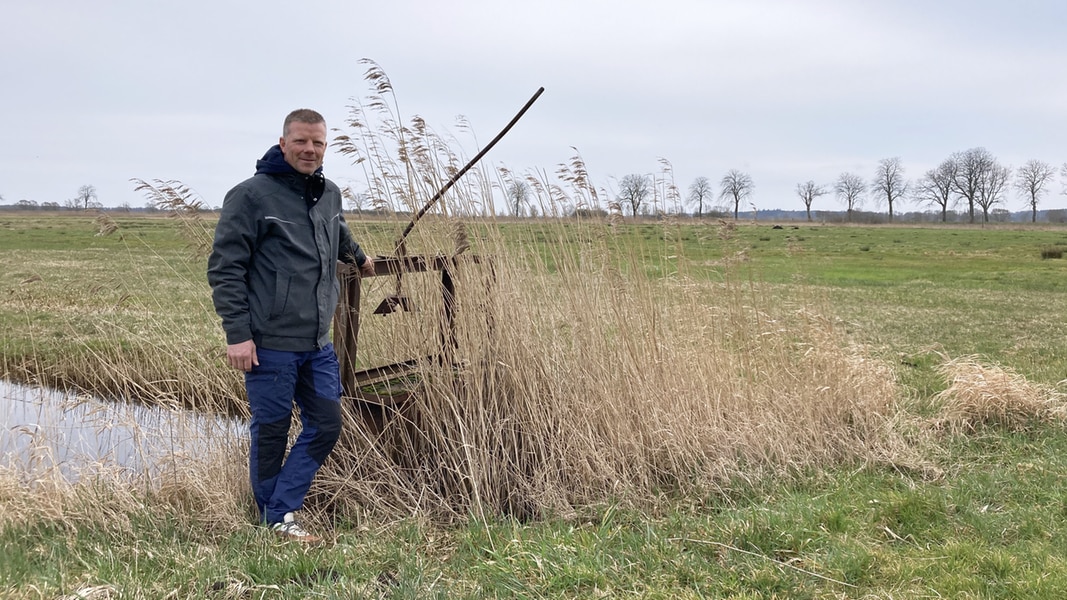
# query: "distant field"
{"points": [[902, 289]]}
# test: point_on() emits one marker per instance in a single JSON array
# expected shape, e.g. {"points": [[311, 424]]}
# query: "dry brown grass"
{"points": [[593, 384], [988, 395]]}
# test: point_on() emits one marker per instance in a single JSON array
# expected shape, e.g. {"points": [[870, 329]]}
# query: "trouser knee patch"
{"points": [[272, 442], [325, 438]]}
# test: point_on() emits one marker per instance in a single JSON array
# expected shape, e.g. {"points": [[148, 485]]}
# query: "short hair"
{"points": [[302, 115]]}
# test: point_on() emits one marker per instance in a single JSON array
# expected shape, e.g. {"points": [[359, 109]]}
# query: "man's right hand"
{"points": [[242, 356]]}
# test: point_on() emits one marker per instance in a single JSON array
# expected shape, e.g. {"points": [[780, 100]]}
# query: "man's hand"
{"points": [[242, 356], [367, 268]]}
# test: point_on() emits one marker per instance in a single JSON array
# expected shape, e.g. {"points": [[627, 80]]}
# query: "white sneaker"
{"points": [[290, 529]]}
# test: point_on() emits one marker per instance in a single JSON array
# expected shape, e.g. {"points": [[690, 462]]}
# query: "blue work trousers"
{"points": [[312, 381]]}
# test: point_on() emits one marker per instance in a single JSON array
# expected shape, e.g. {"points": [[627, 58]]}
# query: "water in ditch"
{"points": [[49, 431]]}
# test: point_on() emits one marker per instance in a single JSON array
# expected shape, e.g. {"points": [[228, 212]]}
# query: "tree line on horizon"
{"points": [[972, 178], [85, 199]]}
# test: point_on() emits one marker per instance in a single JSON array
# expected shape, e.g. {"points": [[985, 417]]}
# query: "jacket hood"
{"points": [[273, 162]]}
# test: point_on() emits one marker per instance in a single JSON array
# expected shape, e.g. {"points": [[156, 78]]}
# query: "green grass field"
{"points": [[983, 515]]}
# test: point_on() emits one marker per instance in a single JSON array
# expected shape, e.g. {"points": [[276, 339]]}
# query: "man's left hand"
{"points": [[367, 268]]}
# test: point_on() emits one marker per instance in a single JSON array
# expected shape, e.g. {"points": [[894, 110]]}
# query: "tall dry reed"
{"points": [[579, 383], [578, 377]]}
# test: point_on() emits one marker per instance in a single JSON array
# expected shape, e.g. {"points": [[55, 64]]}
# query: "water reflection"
{"points": [[46, 430]]}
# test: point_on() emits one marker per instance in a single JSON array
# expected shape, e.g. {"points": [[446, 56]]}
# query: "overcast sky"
{"points": [[784, 90]]}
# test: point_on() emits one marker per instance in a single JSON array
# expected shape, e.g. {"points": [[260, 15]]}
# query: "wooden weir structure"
{"points": [[377, 391]]}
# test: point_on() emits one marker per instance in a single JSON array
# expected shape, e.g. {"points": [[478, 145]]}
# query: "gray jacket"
{"points": [[273, 265]]}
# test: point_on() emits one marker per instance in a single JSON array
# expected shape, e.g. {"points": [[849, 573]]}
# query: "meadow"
{"points": [[662, 409]]}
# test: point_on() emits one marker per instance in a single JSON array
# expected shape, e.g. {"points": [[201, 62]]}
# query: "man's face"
{"points": [[304, 146]]}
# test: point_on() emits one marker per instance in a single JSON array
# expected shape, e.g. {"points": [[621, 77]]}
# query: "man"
{"points": [[272, 272]]}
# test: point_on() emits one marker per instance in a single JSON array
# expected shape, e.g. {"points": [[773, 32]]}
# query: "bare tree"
{"points": [[357, 201], [1032, 181], [937, 187], [519, 194], [699, 192], [85, 199], [889, 183], [850, 189], [972, 167], [808, 192], [991, 188], [634, 190], [736, 186]]}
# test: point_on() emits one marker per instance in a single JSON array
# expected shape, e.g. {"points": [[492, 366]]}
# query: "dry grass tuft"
{"points": [[93, 592], [983, 395], [105, 225]]}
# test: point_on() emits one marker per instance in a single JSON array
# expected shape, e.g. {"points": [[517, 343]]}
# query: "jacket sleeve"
{"points": [[228, 265], [348, 250]]}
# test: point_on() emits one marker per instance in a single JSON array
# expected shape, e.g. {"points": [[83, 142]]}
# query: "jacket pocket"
{"points": [[282, 284]]}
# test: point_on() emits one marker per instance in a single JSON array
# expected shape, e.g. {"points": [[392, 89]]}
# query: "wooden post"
{"points": [[346, 325]]}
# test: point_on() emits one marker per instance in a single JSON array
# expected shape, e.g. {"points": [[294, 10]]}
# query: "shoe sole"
{"points": [[310, 540]]}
